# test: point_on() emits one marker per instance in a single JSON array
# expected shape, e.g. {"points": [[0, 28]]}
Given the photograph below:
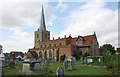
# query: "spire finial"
{"points": [[42, 22]]}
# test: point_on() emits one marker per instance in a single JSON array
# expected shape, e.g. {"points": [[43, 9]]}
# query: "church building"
{"points": [[53, 49]]}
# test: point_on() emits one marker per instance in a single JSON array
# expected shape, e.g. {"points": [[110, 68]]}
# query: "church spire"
{"points": [[42, 22]]}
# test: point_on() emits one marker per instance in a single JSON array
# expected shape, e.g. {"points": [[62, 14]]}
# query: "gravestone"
{"points": [[85, 60], [36, 66], [72, 63], [65, 64], [46, 63], [99, 60], [60, 72], [74, 59], [89, 60], [81, 59], [26, 67], [16, 62]]}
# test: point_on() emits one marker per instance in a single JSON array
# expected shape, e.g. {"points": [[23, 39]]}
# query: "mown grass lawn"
{"points": [[80, 70]]}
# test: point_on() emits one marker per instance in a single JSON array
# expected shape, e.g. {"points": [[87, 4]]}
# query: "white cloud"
{"points": [[21, 41], [61, 7], [17, 16], [93, 17]]}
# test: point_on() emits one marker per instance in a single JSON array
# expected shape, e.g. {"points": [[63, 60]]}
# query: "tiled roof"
{"points": [[17, 53], [32, 52], [118, 49], [87, 40]]}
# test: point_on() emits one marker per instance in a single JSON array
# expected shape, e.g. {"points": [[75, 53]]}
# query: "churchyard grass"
{"points": [[81, 70], [51, 70], [13, 71]]}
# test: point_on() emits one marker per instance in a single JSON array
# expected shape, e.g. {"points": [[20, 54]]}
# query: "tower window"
{"points": [[45, 35], [37, 35]]}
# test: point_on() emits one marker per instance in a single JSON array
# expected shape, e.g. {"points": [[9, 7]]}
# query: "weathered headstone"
{"points": [[16, 61], [99, 60], [72, 63], [46, 63], [85, 60], [26, 67], [36, 66], [74, 59], [81, 59], [65, 64], [60, 72], [89, 60]]}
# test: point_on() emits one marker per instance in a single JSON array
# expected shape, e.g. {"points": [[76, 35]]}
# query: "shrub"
{"points": [[62, 57], [77, 57]]}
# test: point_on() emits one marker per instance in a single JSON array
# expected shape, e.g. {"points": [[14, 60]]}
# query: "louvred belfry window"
{"points": [[37, 35]]}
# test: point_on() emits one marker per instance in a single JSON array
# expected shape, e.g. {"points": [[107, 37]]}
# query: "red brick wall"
{"points": [[65, 50], [118, 49]]}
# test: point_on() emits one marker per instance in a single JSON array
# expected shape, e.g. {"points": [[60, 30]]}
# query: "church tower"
{"points": [[41, 35]]}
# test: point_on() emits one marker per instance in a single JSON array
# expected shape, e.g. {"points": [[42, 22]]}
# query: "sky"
{"points": [[20, 19]]}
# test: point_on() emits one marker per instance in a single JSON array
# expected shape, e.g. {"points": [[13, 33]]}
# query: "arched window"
{"points": [[45, 35], [37, 35], [40, 54], [50, 54]]}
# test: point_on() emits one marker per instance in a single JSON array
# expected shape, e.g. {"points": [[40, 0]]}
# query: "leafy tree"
{"points": [[78, 55], [110, 60], [107, 49]]}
